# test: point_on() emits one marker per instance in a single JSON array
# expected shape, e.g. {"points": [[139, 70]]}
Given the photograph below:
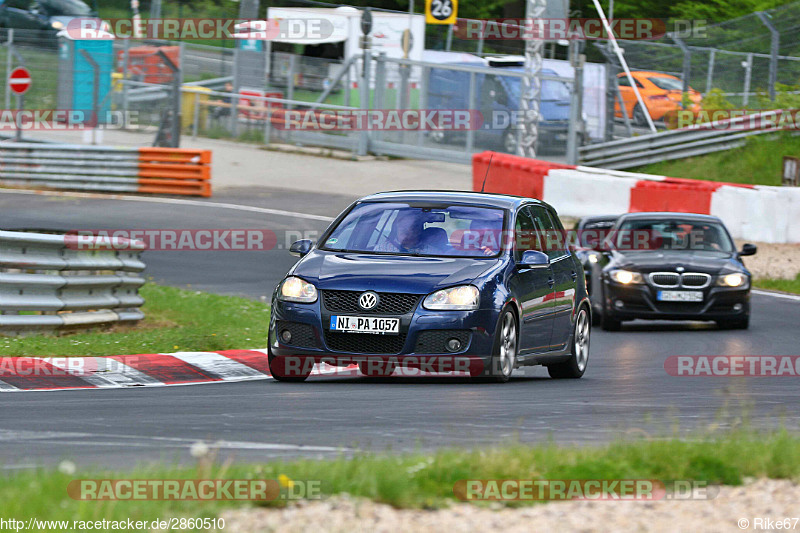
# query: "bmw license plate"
{"points": [[365, 324], [680, 296]]}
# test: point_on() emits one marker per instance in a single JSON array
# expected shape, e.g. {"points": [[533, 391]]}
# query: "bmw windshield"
{"points": [[673, 234], [418, 229]]}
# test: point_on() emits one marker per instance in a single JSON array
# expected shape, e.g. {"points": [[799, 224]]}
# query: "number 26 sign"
{"points": [[441, 11]]}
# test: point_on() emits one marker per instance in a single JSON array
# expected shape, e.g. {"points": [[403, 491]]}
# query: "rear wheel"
{"points": [[638, 116], [575, 366]]}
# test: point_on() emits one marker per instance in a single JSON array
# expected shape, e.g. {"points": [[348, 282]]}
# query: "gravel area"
{"points": [[764, 498], [774, 260]]}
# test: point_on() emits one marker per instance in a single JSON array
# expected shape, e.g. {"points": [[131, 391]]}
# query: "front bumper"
{"points": [[420, 342], [628, 302]]}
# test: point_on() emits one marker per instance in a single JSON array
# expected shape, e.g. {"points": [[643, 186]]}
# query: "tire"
{"points": [[504, 350], [742, 323], [575, 366], [278, 374], [383, 370], [638, 116]]}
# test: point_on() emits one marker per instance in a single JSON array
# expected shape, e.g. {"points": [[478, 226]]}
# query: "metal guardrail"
{"points": [[677, 144], [105, 168], [52, 282]]}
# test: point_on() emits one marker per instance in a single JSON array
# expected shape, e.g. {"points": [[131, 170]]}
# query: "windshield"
{"points": [[673, 234], [65, 7], [420, 229], [552, 91], [668, 84]]}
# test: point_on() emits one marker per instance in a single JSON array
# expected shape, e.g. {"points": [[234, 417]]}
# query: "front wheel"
{"points": [[575, 366], [504, 351], [279, 371]]}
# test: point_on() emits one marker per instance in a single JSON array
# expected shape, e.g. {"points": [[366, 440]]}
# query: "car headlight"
{"points": [[626, 277], [294, 289], [593, 258], [461, 298], [57, 24], [732, 280]]}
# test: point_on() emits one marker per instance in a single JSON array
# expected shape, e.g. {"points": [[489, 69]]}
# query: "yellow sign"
{"points": [[441, 11]]}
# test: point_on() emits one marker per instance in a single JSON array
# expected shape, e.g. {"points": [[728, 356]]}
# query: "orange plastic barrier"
{"points": [[180, 171], [511, 174]]}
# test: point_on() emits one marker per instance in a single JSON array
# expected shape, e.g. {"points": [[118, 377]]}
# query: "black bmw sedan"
{"points": [[672, 266]]}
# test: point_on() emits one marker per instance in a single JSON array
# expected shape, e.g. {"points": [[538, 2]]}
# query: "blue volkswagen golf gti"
{"points": [[437, 281]]}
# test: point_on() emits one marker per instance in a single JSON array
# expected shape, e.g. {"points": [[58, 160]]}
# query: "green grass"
{"points": [[425, 480], [176, 320], [759, 162], [784, 285]]}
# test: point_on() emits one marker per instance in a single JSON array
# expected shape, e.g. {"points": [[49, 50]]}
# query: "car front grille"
{"points": [[693, 280], [302, 334], [365, 343], [434, 341], [664, 279], [389, 303]]}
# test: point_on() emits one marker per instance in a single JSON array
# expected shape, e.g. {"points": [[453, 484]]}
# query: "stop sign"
{"points": [[19, 80]]}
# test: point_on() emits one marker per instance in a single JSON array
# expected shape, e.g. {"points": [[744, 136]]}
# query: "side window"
{"points": [[552, 232], [524, 233], [622, 81]]}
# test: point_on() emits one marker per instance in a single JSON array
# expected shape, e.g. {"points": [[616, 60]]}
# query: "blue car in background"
{"points": [[498, 96], [438, 281]]}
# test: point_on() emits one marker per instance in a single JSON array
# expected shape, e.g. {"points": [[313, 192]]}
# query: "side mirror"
{"points": [[534, 259], [301, 247], [748, 249]]}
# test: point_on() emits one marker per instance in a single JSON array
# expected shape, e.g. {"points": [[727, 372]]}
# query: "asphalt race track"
{"points": [[626, 390]]}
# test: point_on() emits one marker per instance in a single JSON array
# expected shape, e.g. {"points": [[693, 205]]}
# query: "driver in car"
{"points": [[406, 236]]}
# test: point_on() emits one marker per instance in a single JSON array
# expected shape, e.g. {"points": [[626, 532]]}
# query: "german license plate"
{"points": [[680, 296], [365, 324]]}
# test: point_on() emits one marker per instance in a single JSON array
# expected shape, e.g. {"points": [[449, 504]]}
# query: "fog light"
{"points": [[453, 345], [286, 336], [738, 307], [619, 304]]}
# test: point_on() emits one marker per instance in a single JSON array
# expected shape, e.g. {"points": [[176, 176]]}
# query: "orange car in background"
{"points": [[661, 93]]}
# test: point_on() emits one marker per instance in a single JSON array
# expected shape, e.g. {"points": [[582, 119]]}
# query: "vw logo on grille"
{"points": [[368, 300]]}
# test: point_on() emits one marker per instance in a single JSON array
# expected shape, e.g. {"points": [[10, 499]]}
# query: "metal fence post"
{"points": [[176, 98], [379, 96], [774, 47], [363, 140], [125, 59], [710, 76], [471, 106], [9, 62], [449, 44], [687, 61], [748, 71], [196, 112], [576, 96]]}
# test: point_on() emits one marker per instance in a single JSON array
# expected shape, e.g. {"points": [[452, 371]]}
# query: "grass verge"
{"points": [[759, 162], [176, 320], [783, 285], [421, 480]]}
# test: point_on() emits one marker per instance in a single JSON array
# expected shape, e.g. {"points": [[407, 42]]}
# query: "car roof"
{"points": [[648, 73], [661, 215], [485, 199]]}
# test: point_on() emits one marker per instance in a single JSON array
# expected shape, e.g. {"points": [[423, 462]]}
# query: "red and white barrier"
{"points": [[751, 212]]}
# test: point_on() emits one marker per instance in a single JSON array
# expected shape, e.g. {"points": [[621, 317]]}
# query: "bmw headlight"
{"points": [[732, 280], [626, 277], [461, 298], [294, 289], [57, 25]]}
